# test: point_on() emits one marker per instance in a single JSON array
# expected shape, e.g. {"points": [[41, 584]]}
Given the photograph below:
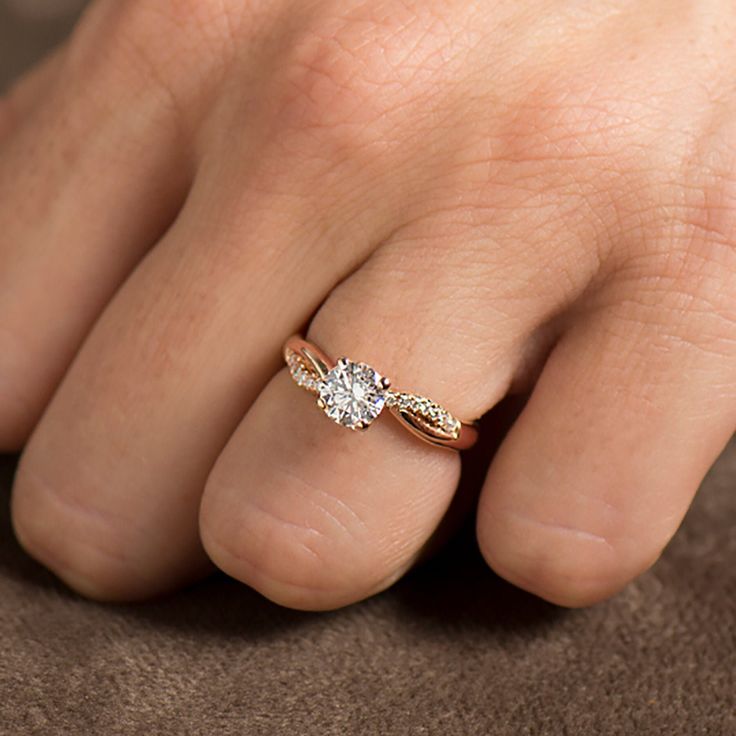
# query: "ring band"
{"points": [[354, 394]]}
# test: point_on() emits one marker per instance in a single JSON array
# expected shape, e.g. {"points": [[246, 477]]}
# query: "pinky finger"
{"points": [[634, 405]]}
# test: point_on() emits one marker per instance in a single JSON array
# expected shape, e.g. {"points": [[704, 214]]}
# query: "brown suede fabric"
{"points": [[449, 650]]}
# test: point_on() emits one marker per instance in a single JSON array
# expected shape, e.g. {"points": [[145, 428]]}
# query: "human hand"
{"points": [[474, 198]]}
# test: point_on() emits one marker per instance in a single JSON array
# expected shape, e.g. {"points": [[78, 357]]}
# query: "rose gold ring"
{"points": [[354, 394]]}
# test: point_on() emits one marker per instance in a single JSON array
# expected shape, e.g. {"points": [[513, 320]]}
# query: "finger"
{"points": [[85, 189], [316, 516], [632, 408], [108, 490]]}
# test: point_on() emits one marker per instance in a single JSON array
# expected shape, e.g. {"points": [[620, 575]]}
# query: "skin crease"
{"points": [[475, 198]]}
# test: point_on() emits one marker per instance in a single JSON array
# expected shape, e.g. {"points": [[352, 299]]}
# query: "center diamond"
{"points": [[352, 394]]}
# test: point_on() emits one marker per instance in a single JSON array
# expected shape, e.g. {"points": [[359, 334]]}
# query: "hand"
{"points": [[474, 198]]}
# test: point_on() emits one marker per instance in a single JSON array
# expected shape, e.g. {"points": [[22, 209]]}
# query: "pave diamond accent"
{"points": [[352, 394], [433, 416], [301, 374]]}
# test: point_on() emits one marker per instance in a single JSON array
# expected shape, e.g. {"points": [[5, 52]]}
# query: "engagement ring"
{"points": [[354, 394]]}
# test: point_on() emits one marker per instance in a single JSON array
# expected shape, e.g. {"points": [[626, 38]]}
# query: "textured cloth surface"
{"points": [[449, 650]]}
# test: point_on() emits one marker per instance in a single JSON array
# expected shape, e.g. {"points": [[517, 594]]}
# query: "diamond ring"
{"points": [[354, 394]]}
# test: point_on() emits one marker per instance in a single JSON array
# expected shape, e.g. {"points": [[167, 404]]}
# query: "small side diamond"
{"points": [[303, 376], [435, 417]]}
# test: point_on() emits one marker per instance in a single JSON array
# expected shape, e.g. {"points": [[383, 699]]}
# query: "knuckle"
{"points": [[683, 283], [183, 22], [568, 579], [566, 565], [296, 555], [282, 562], [173, 50], [707, 234], [82, 545], [194, 27], [682, 280], [352, 75], [565, 119], [691, 228]]}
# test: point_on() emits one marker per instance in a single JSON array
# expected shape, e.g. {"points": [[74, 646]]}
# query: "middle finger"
{"points": [[108, 489]]}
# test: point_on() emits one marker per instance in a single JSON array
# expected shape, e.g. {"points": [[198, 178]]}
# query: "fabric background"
{"points": [[449, 650]]}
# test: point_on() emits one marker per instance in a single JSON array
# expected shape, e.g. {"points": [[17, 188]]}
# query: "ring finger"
{"points": [[316, 516]]}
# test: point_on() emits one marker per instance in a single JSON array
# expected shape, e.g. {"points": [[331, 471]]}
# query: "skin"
{"points": [[475, 198]]}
